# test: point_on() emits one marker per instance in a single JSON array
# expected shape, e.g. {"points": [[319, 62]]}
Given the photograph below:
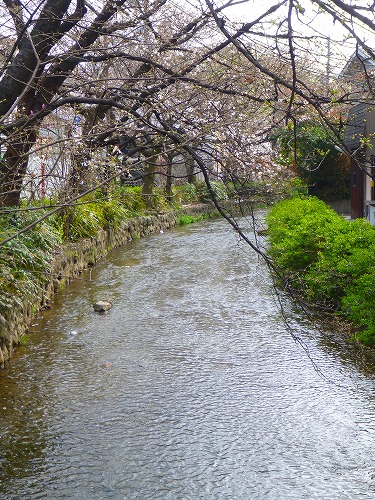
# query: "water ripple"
{"points": [[189, 388]]}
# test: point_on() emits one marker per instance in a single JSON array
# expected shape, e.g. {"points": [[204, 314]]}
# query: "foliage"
{"points": [[297, 231], [184, 220], [84, 221], [329, 259], [310, 150], [136, 203], [186, 193], [284, 188], [359, 306], [132, 199], [94, 212], [296, 186], [199, 193], [114, 212], [218, 188], [25, 259]]}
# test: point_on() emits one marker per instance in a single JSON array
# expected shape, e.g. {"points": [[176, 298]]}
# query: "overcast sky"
{"points": [[311, 22]]}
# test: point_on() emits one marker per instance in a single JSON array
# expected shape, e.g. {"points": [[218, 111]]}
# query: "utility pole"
{"points": [[329, 55]]}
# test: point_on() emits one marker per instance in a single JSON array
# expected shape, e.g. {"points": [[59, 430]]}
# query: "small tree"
{"points": [[314, 155]]}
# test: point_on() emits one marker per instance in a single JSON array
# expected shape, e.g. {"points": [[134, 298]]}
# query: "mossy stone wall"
{"points": [[70, 260]]}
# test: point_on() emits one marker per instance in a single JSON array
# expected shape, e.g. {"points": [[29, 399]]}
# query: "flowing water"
{"points": [[191, 387]]}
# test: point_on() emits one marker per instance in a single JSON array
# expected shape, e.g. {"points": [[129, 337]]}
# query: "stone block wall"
{"points": [[70, 260]]}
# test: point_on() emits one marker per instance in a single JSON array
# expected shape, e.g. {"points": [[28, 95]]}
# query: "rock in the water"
{"points": [[102, 306]]}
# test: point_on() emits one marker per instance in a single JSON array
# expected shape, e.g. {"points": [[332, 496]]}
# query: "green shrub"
{"points": [[84, 221], [132, 199], [158, 202], [298, 230], [189, 219], [218, 189], [329, 259], [24, 259], [347, 254], [186, 193], [198, 192], [114, 213], [358, 304]]}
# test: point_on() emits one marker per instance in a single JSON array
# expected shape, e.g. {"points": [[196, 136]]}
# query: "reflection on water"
{"points": [[189, 388]]}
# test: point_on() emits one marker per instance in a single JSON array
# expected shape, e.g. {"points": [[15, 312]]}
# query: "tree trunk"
{"points": [[148, 181], [78, 181], [13, 167], [189, 162], [168, 182], [149, 174]]}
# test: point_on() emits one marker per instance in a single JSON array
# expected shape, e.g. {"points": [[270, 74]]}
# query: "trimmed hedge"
{"points": [[329, 259]]}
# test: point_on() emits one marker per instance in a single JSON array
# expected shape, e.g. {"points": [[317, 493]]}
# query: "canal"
{"points": [[190, 387]]}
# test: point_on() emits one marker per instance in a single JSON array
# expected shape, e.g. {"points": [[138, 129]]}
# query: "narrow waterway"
{"points": [[191, 387]]}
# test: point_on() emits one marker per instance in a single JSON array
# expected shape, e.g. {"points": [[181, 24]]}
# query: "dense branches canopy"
{"points": [[85, 82]]}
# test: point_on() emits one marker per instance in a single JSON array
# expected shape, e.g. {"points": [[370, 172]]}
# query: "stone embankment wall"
{"points": [[73, 258]]}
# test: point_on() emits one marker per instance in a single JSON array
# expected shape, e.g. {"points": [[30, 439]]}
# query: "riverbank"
{"points": [[69, 260]]}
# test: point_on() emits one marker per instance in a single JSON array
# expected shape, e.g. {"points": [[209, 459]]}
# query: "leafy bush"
{"points": [[329, 259], [347, 254], [218, 189], [132, 199], [94, 212], [359, 306], [298, 229], [189, 219], [24, 259], [114, 213], [83, 221], [198, 192], [158, 202], [186, 193]]}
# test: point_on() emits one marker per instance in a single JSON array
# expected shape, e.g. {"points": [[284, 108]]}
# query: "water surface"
{"points": [[191, 387]]}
